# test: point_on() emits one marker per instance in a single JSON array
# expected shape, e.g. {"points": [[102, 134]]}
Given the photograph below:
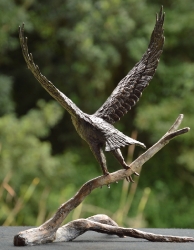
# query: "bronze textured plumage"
{"points": [[97, 129]]}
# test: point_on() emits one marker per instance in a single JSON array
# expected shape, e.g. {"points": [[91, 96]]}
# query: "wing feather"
{"points": [[130, 88]]}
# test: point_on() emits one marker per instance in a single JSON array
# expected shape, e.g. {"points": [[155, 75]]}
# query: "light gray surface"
{"points": [[93, 240]]}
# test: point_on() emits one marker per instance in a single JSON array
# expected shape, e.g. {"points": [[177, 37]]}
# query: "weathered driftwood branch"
{"points": [[49, 231], [103, 224]]}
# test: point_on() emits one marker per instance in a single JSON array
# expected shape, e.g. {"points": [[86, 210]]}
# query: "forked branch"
{"points": [[103, 224], [50, 231]]}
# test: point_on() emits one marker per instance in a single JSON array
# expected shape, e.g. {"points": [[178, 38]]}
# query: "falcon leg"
{"points": [[118, 155], [100, 157]]}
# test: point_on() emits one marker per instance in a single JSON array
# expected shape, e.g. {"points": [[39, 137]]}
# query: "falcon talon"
{"points": [[131, 180]]}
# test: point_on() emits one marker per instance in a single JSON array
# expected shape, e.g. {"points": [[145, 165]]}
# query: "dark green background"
{"points": [[85, 48]]}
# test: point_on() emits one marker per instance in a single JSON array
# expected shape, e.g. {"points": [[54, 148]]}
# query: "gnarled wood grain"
{"points": [[48, 232]]}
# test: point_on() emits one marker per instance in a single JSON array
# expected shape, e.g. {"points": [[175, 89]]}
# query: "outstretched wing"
{"points": [[130, 88], [49, 86]]}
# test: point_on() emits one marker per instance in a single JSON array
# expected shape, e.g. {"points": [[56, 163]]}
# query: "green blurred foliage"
{"points": [[85, 48]]}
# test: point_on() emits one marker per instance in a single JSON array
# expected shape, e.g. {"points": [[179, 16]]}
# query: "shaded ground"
{"points": [[92, 240]]}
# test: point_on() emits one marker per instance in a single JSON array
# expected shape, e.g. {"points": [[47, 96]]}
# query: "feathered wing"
{"points": [[49, 86], [130, 88]]}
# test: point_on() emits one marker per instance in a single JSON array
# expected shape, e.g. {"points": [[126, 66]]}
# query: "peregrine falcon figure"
{"points": [[97, 129]]}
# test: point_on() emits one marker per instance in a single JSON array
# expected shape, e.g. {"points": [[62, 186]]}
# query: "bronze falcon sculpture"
{"points": [[97, 129]]}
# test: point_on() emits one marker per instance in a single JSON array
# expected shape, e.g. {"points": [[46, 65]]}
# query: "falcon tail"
{"points": [[120, 140]]}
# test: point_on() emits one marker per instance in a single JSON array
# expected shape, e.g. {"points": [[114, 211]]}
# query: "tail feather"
{"points": [[117, 140]]}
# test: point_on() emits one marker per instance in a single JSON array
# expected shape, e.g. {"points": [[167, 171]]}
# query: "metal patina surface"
{"points": [[97, 129]]}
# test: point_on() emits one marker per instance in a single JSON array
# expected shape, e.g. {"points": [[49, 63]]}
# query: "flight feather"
{"points": [[130, 88]]}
